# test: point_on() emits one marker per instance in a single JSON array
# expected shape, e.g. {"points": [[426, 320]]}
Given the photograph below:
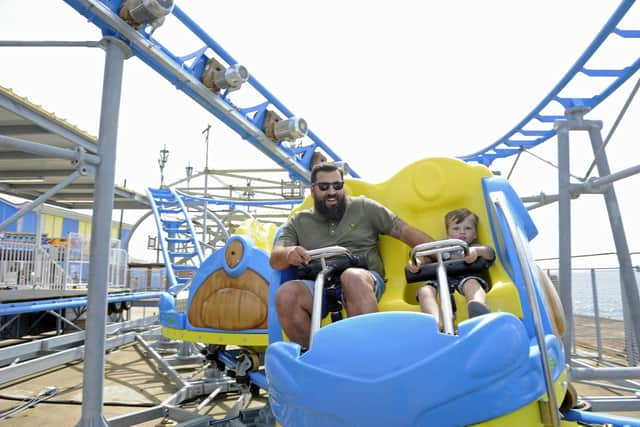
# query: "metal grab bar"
{"points": [[322, 254], [438, 248]]}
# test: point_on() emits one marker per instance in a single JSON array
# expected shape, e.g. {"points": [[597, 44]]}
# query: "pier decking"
{"points": [[133, 382]]}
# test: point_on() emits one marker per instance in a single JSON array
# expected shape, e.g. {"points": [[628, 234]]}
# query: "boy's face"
{"points": [[464, 230]]}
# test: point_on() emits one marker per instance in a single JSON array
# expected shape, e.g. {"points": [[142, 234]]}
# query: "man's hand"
{"points": [[297, 255]]}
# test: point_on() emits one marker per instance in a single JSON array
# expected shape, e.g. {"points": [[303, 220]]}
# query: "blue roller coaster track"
{"points": [[538, 126], [180, 248], [185, 71]]}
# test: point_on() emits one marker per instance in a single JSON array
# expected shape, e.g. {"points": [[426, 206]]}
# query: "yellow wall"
{"points": [[84, 229], [52, 226]]}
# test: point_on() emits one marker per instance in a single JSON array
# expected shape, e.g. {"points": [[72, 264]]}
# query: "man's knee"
{"points": [[284, 295], [291, 294], [357, 280], [356, 275]]}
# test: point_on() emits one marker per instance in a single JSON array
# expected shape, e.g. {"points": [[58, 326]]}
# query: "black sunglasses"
{"points": [[324, 186]]}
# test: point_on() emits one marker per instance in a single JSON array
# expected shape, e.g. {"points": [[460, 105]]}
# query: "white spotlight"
{"points": [[231, 78], [290, 129], [141, 12]]}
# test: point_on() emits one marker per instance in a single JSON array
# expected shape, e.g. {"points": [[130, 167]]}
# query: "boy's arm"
{"points": [[479, 251]]}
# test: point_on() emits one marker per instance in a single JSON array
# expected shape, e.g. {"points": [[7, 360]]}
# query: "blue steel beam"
{"points": [[10, 309], [536, 118], [184, 73]]}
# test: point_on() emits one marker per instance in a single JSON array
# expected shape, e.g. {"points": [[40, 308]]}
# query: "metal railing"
{"points": [[599, 314], [27, 264]]}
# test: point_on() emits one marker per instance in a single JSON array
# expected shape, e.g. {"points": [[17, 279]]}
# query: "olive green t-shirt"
{"points": [[358, 230]]}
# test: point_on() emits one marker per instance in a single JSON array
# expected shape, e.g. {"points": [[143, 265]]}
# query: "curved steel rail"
{"points": [[232, 203], [538, 126], [201, 204], [178, 244], [184, 72]]}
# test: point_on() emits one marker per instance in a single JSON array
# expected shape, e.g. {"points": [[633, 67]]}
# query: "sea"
{"points": [[598, 284]]}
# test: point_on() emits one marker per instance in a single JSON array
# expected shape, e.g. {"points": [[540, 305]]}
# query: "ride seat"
{"points": [[421, 194]]}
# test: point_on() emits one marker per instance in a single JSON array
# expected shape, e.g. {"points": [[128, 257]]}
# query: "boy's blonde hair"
{"points": [[456, 216]]}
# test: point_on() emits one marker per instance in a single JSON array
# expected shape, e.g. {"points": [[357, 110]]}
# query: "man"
{"points": [[336, 219]]}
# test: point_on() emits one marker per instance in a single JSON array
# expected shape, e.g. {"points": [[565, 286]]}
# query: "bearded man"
{"points": [[354, 223]]}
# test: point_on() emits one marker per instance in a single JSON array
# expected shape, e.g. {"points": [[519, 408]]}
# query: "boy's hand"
{"points": [[472, 255], [414, 268], [421, 260]]}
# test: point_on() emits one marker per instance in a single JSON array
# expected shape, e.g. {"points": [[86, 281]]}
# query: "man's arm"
{"points": [[286, 250], [284, 256], [411, 236], [408, 234]]}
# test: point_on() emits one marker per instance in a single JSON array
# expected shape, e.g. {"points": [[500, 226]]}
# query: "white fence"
{"points": [[27, 264], [147, 278], [118, 266]]}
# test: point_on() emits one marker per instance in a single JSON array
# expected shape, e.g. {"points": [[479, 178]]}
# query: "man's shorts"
{"points": [[379, 287], [457, 283]]}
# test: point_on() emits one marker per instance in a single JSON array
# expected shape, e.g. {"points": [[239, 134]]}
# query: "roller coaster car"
{"points": [[395, 367], [228, 297]]}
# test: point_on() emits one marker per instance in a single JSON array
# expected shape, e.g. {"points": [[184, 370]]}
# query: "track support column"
{"points": [[94, 357]]}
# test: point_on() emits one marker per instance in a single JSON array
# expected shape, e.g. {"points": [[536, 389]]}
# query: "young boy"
{"points": [[461, 224]]}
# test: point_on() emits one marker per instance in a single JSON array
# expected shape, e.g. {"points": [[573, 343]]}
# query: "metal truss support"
{"points": [[213, 383], [631, 301], [630, 297], [93, 375], [26, 359], [564, 223], [631, 307]]}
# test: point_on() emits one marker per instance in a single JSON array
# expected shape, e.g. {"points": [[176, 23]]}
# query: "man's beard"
{"points": [[331, 213]]}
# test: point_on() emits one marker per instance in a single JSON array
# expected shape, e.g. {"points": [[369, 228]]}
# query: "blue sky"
{"points": [[391, 81]]}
